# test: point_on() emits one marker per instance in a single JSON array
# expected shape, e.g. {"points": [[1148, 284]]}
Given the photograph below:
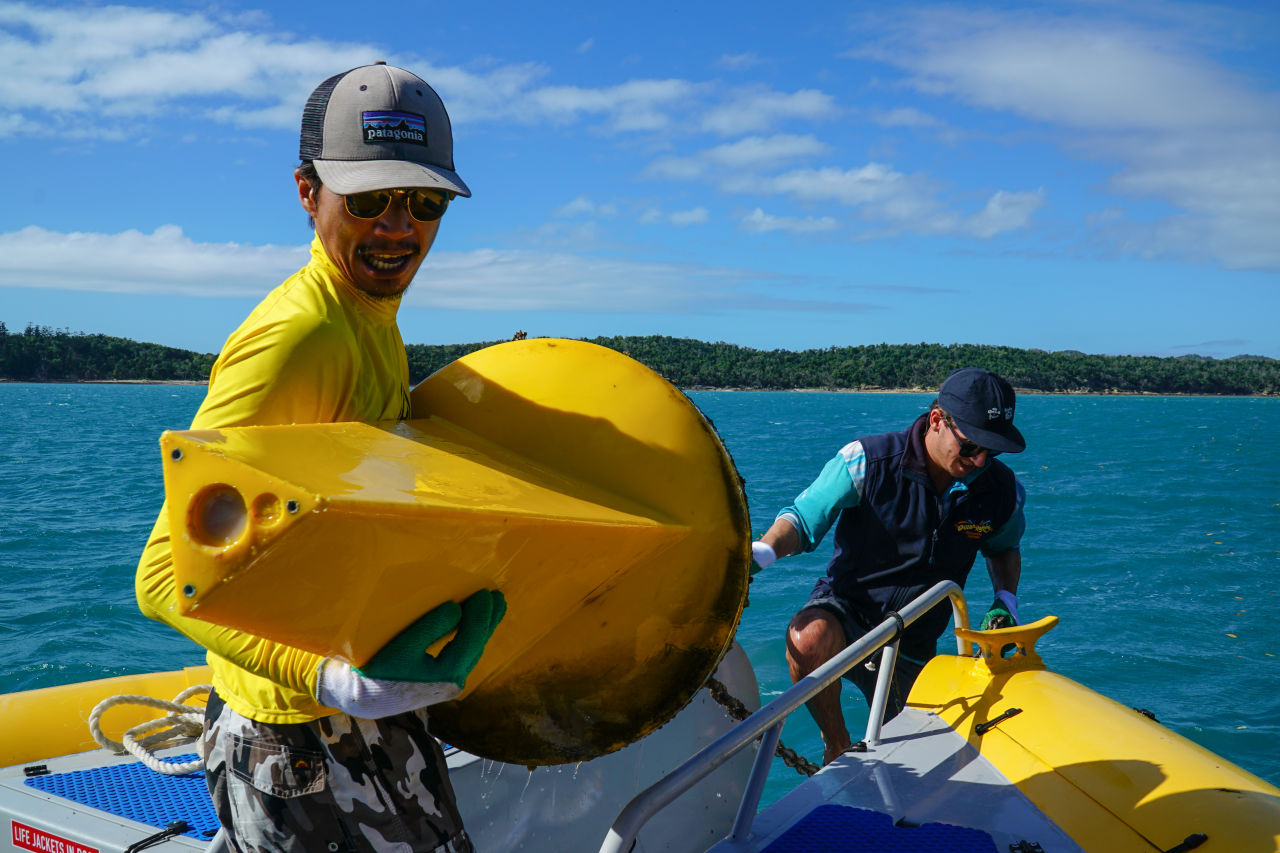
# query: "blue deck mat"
{"points": [[137, 792], [849, 830]]}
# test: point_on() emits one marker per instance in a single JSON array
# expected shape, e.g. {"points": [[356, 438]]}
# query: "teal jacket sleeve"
{"points": [[838, 487]]}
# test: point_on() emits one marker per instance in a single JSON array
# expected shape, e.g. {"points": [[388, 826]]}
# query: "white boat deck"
{"points": [[97, 802], [922, 772], [48, 819], [919, 786]]}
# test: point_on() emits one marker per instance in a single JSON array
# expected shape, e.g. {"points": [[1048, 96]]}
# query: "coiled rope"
{"points": [[182, 725]]}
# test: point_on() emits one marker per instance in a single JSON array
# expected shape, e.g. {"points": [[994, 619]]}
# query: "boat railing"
{"points": [[767, 722]]}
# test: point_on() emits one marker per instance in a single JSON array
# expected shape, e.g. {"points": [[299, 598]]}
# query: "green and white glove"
{"points": [[402, 677], [1003, 612]]}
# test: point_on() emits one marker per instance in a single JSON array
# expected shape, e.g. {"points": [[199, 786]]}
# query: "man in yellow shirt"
{"points": [[306, 753]]}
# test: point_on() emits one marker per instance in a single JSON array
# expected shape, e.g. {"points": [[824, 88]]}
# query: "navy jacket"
{"points": [[903, 536]]}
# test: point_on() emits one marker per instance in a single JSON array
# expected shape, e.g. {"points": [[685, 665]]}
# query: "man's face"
{"points": [[379, 256], [943, 442]]}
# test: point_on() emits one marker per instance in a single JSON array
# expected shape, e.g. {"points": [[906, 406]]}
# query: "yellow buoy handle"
{"points": [[1023, 636]]}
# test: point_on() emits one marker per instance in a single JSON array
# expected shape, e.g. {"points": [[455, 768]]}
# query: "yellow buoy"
{"points": [[1107, 774], [571, 477]]}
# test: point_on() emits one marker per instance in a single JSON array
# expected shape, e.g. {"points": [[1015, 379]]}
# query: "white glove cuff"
{"points": [[1010, 601], [763, 554], [334, 682], [339, 686]]}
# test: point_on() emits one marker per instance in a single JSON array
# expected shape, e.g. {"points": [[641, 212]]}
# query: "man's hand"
{"points": [[405, 658], [1003, 612], [762, 557], [402, 676]]}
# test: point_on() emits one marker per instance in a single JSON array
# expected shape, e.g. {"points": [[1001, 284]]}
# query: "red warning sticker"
{"points": [[29, 838]]}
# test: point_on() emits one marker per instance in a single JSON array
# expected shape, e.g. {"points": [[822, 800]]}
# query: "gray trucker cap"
{"points": [[378, 127]]}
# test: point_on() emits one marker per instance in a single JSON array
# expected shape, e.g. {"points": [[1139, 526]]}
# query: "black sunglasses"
{"points": [[967, 448], [424, 205]]}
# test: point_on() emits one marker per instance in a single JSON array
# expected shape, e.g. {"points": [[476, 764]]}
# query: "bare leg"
{"points": [[813, 638]]}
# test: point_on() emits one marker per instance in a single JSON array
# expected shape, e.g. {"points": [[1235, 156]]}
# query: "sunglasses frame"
{"points": [[968, 449], [409, 203]]}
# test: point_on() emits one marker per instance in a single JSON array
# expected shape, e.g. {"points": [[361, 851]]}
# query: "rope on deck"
{"points": [[183, 724]]}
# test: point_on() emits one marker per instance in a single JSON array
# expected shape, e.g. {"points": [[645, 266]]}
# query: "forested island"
{"points": [[43, 354]]}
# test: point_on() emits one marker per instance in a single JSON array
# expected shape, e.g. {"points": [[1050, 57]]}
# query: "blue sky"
{"points": [[1065, 175]]}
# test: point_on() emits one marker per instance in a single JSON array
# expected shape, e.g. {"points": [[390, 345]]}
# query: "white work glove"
{"points": [[402, 677], [339, 686], [762, 556]]}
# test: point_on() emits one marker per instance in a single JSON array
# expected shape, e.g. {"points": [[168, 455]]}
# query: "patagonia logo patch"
{"points": [[974, 529], [393, 126]]}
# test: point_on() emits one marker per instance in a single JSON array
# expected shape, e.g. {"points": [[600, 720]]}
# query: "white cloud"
{"points": [[167, 262], [896, 201], [586, 45], [756, 108], [569, 235], [84, 68], [679, 218], [905, 117], [1004, 211], [12, 124], [117, 62], [164, 261], [499, 93], [739, 61], [764, 151], [1147, 96], [753, 153], [1108, 214], [1227, 187], [693, 216], [877, 190], [1097, 75], [759, 222], [584, 206], [493, 280], [637, 105]]}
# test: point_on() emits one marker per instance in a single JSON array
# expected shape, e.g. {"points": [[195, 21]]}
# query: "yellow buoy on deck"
{"points": [[1109, 776], [578, 482]]}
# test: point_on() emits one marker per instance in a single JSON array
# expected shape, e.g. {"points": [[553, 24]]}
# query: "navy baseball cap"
{"points": [[981, 404]]}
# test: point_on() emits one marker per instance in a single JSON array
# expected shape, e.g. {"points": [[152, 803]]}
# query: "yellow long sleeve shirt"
{"points": [[315, 350]]}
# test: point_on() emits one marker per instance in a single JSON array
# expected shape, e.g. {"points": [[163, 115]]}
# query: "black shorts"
{"points": [[905, 670]]}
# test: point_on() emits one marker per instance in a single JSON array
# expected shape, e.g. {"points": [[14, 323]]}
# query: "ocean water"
{"points": [[1153, 533]]}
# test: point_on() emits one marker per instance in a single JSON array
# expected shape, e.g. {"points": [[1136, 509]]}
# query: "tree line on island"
{"points": [[44, 354]]}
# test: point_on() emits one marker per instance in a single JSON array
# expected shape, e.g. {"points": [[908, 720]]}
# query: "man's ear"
{"points": [[306, 194]]}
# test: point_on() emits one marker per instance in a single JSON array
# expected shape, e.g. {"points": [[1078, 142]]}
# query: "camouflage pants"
{"points": [[336, 784]]}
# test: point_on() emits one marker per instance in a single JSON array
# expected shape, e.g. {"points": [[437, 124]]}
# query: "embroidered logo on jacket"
{"points": [[393, 126], [974, 529]]}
